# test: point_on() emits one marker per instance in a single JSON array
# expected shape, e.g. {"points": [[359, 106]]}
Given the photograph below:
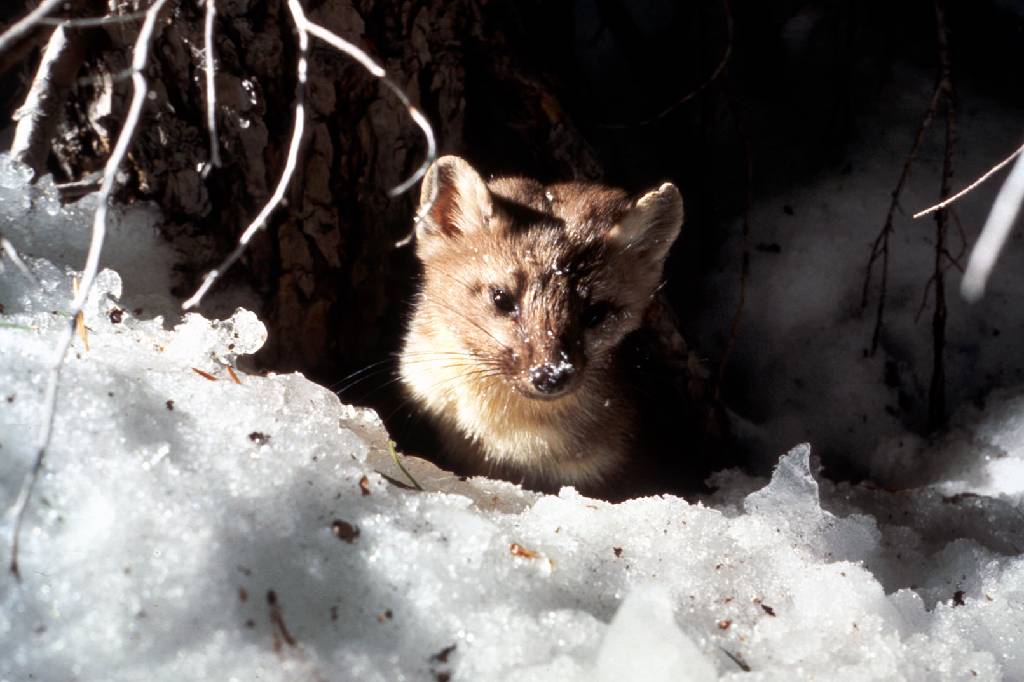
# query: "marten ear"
{"points": [[652, 225], [454, 200]]}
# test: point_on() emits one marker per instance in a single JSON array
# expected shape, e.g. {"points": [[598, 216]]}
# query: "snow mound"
{"points": [[191, 527]]}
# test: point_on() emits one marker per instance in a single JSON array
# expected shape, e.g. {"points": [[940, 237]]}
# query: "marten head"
{"points": [[533, 286]]}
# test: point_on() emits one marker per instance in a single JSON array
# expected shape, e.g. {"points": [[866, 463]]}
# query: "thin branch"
{"points": [[76, 189], [342, 45], [8, 248], [931, 281], [140, 55], [937, 388], [924, 299], [305, 27], [21, 50], [14, 33], [39, 114], [106, 78], [994, 234], [971, 187], [378, 71], [880, 247], [957, 260], [286, 174], [94, 22], [211, 90], [722, 63]]}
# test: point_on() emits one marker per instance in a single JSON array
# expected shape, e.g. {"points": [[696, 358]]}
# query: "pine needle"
{"points": [[398, 463]]}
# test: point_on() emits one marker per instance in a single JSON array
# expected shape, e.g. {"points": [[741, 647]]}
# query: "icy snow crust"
{"points": [[197, 529]]}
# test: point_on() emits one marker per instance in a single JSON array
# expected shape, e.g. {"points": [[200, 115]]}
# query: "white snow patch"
{"points": [[188, 529]]}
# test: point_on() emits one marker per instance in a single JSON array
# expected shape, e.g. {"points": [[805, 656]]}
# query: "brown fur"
{"points": [[520, 276]]}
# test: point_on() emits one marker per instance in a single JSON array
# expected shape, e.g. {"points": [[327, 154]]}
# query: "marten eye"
{"points": [[504, 302], [596, 313]]}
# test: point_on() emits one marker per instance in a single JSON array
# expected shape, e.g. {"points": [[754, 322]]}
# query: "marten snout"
{"points": [[553, 359], [552, 379]]}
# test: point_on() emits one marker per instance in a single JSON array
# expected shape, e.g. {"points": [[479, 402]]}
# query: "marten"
{"points": [[515, 348]]}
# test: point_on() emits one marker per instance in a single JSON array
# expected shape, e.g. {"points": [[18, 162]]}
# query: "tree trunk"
{"points": [[327, 269]]}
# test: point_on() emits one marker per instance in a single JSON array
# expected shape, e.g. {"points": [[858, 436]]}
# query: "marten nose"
{"points": [[551, 379]]}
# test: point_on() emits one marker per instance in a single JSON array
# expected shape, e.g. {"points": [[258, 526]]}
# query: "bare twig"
{"points": [[76, 189], [140, 55], [286, 174], [378, 71], [305, 28], [714, 75], [974, 185], [994, 234], [8, 248], [925, 295], [937, 389], [957, 260], [106, 78], [880, 247], [943, 94], [211, 90], [41, 111], [14, 33], [950, 261], [94, 22]]}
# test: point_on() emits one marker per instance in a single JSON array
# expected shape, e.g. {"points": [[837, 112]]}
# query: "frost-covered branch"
{"points": [[994, 233], [211, 92], [33, 18], [6, 247], [974, 185], [40, 112], [58, 67], [304, 27], [140, 55]]}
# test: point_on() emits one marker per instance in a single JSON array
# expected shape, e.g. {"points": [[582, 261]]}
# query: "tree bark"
{"points": [[327, 269]]}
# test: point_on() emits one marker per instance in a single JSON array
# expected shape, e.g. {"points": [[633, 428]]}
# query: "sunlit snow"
{"points": [[189, 527]]}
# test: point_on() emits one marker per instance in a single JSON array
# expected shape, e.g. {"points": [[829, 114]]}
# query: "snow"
{"points": [[188, 528], [800, 365]]}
